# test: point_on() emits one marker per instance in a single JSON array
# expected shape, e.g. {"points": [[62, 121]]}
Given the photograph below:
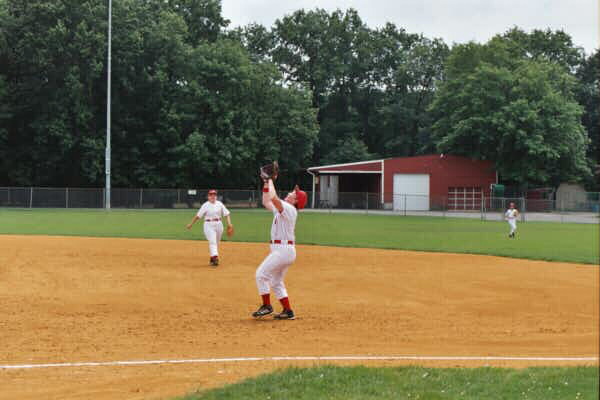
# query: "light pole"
{"points": [[107, 153]]}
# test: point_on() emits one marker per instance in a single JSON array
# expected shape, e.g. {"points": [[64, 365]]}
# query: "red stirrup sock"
{"points": [[285, 302], [266, 298]]}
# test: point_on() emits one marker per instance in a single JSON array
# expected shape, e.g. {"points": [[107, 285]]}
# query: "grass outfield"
{"points": [[360, 383], [536, 240]]}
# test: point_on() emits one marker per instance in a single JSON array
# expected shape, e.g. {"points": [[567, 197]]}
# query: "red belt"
{"points": [[212, 220], [281, 241]]}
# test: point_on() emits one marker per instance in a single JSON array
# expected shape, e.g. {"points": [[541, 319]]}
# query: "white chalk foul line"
{"points": [[299, 358]]}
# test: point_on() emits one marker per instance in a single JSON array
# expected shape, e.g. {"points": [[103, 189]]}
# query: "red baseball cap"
{"points": [[301, 198], [212, 191]]}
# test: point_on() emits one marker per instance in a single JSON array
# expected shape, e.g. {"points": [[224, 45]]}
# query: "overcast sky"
{"points": [[452, 20]]}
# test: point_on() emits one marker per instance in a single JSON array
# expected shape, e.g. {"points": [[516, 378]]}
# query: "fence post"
{"points": [[367, 202], [66, 197], [524, 209], [405, 205], [31, 197], [482, 210], [141, 196]]}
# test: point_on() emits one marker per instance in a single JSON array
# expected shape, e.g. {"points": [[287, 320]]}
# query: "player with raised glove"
{"points": [[270, 274]]}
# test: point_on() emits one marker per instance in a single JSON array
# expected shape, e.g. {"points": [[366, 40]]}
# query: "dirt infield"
{"points": [[67, 299]]}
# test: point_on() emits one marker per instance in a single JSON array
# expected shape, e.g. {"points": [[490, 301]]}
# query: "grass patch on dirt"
{"points": [[363, 383]]}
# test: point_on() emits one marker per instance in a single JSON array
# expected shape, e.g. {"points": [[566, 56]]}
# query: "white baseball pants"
{"points": [[271, 272], [513, 225], [213, 232]]}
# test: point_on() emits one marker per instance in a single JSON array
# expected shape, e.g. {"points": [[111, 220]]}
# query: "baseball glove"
{"points": [[230, 230], [269, 171]]}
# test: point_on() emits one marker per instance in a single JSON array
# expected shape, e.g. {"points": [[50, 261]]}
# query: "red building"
{"points": [[412, 183]]}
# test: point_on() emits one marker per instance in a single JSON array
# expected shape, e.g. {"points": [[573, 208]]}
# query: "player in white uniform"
{"points": [[271, 272], [212, 211], [511, 216]]}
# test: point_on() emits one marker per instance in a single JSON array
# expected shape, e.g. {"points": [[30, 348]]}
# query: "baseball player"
{"points": [[271, 272], [212, 211], [511, 216]]}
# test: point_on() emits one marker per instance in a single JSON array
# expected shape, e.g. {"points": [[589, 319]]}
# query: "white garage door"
{"points": [[329, 190], [411, 192]]}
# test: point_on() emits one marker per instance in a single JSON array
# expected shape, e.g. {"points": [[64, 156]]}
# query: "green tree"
{"points": [[521, 114], [150, 64], [190, 108], [300, 51], [588, 95], [328, 54], [543, 45], [405, 124], [51, 67], [258, 40], [203, 19], [4, 118], [348, 150], [241, 117], [370, 85], [5, 108]]}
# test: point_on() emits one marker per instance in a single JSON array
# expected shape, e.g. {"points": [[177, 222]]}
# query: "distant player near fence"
{"points": [[212, 211], [511, 216]]}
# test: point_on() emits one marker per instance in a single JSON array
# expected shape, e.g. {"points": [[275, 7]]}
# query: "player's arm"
{"points": [[194, 220], [266, 200], [270, 199], [227, 215], [273, 195], [198, 215]]}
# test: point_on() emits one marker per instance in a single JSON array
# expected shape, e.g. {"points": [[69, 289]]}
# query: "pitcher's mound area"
{"points": [[68, 299]]}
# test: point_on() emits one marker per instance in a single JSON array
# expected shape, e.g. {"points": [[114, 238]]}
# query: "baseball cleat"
{"points": [[263, 310], [214, 261], [285, 314]]}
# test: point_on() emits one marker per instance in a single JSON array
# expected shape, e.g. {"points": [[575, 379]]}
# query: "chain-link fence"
{"points": [[348, 201], [462, 204], [34, 197]]}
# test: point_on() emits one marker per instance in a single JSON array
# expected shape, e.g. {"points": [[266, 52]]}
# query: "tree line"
{"points": [[196, 103]]}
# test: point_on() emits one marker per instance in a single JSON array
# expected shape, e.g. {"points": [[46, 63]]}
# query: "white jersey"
{"points": [[271, 272], [284, 223], [511, 214], [212, 210]]}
